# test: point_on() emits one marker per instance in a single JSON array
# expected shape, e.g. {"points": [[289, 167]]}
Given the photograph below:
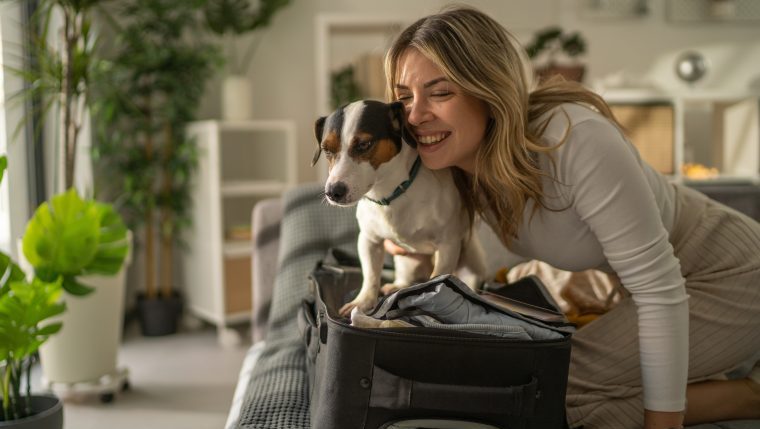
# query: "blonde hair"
{"points": [[486, 61]]}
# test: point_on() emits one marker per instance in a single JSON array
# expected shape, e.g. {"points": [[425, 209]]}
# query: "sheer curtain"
{"points": [[14, 194]]}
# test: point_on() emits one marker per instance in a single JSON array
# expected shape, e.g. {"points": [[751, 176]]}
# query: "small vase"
{"points": [[236, 98], [48, 414]]}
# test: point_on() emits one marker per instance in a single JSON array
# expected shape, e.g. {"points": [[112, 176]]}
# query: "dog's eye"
{"points": [[364, 145]]}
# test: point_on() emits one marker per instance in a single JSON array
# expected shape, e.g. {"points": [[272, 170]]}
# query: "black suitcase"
{"points": [[430, 378]]}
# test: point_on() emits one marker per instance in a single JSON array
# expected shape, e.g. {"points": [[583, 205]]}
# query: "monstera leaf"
{"points": [[9, 272], [69, 237], [24, 311], [112, 243]]}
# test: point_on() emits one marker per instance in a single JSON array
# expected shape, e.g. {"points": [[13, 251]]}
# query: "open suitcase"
{"points": [[422, 377]]}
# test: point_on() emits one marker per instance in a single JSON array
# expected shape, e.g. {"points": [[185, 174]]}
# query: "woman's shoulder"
{"points": [[571, 119]]}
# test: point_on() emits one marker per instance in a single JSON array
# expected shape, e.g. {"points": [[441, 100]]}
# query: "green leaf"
{"points": [[113, 246], [9, 272], [62, 236], [72, 286], [50, 329], [3, 166]]}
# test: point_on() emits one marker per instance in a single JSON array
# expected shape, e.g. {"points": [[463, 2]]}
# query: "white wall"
{"points": [[283, 71]]}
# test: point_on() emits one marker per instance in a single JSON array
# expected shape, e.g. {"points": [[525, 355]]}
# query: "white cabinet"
{"points": [[239, 164], [714, 136]]}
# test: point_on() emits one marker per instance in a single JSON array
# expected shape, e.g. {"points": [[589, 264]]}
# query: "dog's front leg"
{"points": [[371, 257], [446, 258]]}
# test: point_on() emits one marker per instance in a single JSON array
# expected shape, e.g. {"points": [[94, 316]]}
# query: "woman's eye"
{"points": [[404, 98], [441, 94]]}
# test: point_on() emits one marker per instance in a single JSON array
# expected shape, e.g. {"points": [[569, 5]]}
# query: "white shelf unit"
{"points": [[711, 127], [240, 163]]}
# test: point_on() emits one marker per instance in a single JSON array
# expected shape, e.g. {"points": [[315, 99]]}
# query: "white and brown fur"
{"points": [[364, 143]]}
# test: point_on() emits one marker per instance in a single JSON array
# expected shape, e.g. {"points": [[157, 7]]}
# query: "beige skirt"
{"points": [[719, 252]]}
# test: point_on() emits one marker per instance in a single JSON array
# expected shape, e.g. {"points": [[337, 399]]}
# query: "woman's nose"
{"points": [[418, 113]]}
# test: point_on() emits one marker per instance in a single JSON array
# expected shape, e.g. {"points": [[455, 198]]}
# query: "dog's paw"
{"points": [[364, 304], [390, 288]]}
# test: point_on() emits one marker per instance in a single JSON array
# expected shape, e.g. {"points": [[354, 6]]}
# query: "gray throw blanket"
{"points": [[277, 393]]}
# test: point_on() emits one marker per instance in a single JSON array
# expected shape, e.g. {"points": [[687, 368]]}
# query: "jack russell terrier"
{"points": [[398, 198]]}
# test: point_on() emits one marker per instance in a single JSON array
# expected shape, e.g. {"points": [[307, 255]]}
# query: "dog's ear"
{"points": [[398, 121], [319, 128]]}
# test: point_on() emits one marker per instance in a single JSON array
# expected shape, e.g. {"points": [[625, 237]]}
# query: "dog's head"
{"points": [[358, 139]]}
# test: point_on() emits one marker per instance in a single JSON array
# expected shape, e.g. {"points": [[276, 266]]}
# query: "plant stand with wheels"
{"points": [[105, 387]]}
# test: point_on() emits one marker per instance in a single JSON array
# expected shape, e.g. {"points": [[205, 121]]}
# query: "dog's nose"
{"points": [[337, 191]]}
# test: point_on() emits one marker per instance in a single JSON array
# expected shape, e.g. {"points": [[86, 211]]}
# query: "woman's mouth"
{"points": [[431, 139]]}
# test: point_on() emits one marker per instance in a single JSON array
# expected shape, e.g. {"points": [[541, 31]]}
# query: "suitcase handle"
{"points": [[307, 326], [393, 392]]}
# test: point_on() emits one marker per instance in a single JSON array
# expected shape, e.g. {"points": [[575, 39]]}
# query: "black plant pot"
{"points": [[48, 415], [159, 316]]}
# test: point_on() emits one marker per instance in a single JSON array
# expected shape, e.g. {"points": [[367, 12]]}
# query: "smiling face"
{"points": [[449, 123]]}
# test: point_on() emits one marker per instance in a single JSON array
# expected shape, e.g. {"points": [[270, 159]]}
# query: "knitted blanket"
{"points": [[277, 393]]}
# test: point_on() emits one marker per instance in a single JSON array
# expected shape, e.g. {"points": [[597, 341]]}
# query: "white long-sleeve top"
{"points": [[618, 216]]}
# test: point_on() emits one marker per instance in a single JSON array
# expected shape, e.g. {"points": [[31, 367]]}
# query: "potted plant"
{"points": [[25, 312], [232, 20], [158, 76], [556, 52], [63, 68], [84, 244], [65, 239]]}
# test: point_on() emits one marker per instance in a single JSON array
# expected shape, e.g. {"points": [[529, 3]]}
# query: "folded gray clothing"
{"points": [[504, 331], [450, 307], [444, 298]]}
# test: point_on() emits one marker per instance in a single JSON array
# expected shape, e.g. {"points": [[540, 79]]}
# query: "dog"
{"points": [[373, 163]]}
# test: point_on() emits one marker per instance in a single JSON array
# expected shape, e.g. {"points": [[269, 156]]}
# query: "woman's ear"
{"points": [[319, 128], [398, 121]]}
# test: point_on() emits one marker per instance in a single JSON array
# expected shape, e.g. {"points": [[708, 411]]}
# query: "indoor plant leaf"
{"points": [[113, 245], [9, 272], [3, 166], [74, 287], [62, 236]]}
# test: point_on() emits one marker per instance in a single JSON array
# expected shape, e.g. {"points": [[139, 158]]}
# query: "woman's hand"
{"points": [[663, 419], [393, 248], [420, 265]]}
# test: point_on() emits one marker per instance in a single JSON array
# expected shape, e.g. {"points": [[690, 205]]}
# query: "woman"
{"points": [[551, 172]]}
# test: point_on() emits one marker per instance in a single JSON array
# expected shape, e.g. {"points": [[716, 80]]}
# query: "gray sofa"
{"points": [[290, 235]]}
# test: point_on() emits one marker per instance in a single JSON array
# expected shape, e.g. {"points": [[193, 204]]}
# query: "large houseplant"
{"points": [[158, 75], [557, 52], [61, 67], [237, 23]]}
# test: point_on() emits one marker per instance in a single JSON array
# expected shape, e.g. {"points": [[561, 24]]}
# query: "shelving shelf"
{"points": [[240, 163], [709, 127]]}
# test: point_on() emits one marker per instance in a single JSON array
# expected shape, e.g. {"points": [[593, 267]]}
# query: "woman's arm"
{"points": [[611, 193], [662, 420]]}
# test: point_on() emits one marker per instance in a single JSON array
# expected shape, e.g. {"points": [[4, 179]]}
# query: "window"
{"points": [[14, 196]]}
